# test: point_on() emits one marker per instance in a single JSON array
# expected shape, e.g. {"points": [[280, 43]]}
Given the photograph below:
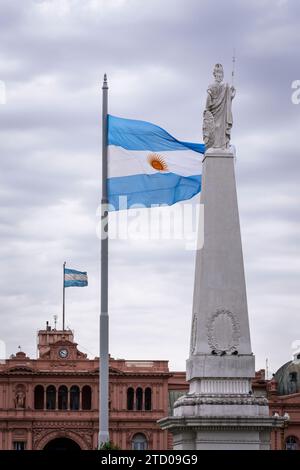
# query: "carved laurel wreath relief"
{"points": [[223, 331]]}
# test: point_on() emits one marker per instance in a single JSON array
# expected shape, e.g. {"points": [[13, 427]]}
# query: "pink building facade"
{"points": [[51, 402]]}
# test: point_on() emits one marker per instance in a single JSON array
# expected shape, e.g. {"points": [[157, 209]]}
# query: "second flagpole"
{"points": [[64, 297], [104, 321]]}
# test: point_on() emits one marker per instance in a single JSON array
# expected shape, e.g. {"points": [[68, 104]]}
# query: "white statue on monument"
{"points": [[217, 117]]}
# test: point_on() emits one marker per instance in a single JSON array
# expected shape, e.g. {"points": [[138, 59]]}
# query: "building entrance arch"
{"points": [[62, 443]]}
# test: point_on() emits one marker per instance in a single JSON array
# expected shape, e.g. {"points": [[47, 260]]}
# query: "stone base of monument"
{"points": [[221, 422]]}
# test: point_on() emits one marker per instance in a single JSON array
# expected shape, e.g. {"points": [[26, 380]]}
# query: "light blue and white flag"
{"points": [[149, 166], [75, 278]]}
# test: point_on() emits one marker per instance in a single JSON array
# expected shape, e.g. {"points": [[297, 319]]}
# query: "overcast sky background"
{"points": [[159, 56]]}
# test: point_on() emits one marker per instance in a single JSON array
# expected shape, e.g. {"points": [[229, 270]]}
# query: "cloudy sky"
{"points": [[159, 57]]}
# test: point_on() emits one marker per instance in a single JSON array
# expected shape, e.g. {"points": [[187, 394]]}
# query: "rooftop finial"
{"points": [[105, 81]]}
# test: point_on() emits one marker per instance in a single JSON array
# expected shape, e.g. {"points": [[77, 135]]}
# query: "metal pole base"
{"points": [[103, 438]]}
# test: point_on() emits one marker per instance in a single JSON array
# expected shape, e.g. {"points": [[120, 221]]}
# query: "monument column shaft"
{"points": [[220, 337], [219, 275]]}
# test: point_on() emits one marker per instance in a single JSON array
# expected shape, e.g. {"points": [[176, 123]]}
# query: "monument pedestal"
{"points": [[220, 410], [212, 434], [221, 422]]}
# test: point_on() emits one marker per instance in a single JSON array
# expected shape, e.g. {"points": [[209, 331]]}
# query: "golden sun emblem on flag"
{"points": [[157, 162]]}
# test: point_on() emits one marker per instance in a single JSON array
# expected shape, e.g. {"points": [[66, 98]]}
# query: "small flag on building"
{"points": [[74, 278]]}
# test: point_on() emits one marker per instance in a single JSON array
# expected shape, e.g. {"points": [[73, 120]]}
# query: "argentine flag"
{"points": [[149, 166], [75, 278]]}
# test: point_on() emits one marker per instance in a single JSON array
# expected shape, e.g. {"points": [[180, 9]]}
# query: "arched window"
{"points": [[74, 398], [86, 397], [130, 398], [139, 399], [292, 443], [139, 442], [148, 399], [51, 397], [62, 398], [39, 397]]}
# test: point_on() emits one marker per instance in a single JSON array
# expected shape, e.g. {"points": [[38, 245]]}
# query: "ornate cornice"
{"points": [[193, 400], [225, 423], [52, 373], [70, 424]]}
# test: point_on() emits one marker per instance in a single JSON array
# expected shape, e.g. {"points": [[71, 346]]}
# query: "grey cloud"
{"points": [[159, 58]]}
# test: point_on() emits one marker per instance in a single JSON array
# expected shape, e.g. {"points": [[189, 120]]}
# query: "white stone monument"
{"points": [[220, 410]]}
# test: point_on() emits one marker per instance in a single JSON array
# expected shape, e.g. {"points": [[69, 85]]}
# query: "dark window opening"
{"points": [[130, 398], [51, 397], [86, 398], [74, 398], [293, 376], [19, 445], [139, 399], [148, 399], [39, 397], [62, 398]]}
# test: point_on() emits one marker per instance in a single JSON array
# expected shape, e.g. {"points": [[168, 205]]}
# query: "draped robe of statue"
{"points": [[218, 103]]}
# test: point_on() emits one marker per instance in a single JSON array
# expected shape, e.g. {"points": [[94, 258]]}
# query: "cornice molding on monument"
{"points": [[226, 423], [220, 400]]}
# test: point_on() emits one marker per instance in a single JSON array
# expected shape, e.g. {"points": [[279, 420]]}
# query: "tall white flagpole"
{"points": [[104, 357]]}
